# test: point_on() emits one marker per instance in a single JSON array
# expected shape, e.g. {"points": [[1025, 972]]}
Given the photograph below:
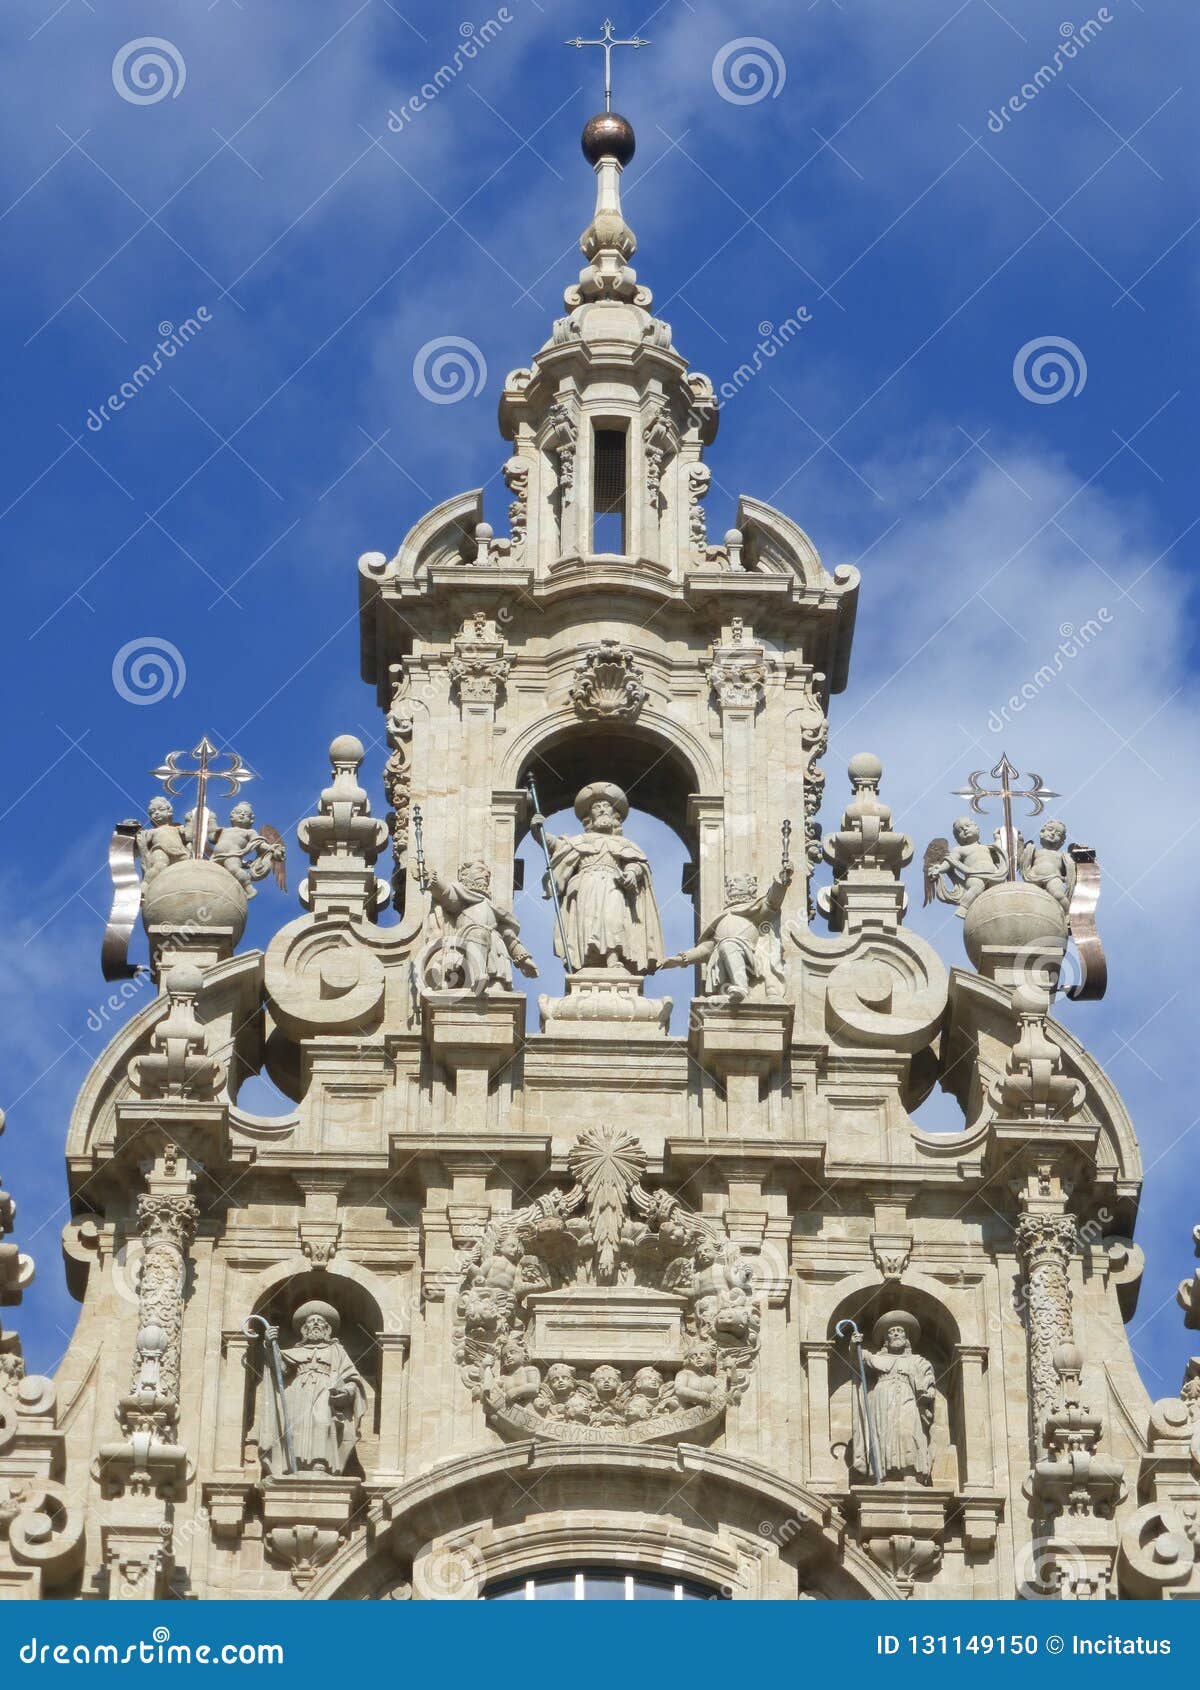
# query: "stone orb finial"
{"points": [[185, 980], [608, 135], [864, 766], [346, 748], [1025, 920]]}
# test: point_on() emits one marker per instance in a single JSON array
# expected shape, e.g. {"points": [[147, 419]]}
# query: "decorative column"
{"points": [[148, 1470], [1045, 1245]]}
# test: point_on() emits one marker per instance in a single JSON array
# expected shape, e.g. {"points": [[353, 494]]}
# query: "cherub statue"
{"points": [[645, 1395], [697, 1384], [562, 1396], [520, 1379], [480, 942], [162, 842], [491, 1285], [609, 1392], [1047, 865], [970, 866], [742, 949], [240, 839]]}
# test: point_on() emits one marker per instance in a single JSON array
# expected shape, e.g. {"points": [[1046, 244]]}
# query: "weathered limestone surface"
{"points": [[486, 1303]]}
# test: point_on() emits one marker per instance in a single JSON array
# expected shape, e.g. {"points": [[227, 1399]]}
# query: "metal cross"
{"points": [[608, 41], [172, 775], [1036, 795]]}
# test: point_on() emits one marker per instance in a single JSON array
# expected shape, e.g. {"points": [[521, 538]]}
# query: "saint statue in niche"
{"points": [[324, 1395], [902, 1400], [604, 887]]}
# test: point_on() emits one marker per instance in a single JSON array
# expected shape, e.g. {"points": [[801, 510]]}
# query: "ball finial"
{"points": [[608, 135]]}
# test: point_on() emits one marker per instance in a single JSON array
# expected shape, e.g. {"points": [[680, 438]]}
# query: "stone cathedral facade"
{"points": [[494, 1312]]}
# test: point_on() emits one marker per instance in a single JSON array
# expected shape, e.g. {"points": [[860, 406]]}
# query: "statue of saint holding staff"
{"points": [[603, 886]]}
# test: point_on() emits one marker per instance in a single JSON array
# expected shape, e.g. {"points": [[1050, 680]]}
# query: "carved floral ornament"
{"points": [[606, 1312]]}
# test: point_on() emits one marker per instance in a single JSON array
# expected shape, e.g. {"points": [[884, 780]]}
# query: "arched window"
{"points": [[599, 1584]]}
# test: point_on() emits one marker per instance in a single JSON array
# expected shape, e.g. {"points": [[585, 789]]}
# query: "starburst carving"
{"points": [[607, 1162]]}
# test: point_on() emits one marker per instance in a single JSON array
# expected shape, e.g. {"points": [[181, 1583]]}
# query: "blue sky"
{"points": [[874, 173]]}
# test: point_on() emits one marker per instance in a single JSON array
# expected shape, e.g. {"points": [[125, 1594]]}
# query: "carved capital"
{"points": [[478, 671], [737, 676]]}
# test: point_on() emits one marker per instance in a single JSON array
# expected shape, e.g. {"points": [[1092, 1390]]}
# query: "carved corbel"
{"points": [[303, 1550], [660, 438], [561, 437], [891, 1254]]}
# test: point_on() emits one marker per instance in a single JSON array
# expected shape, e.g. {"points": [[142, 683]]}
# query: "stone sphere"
{"points": [[194, 894], [608, 135], [864, 765], [346, 749], [1015, 917], [1068, 1358]]}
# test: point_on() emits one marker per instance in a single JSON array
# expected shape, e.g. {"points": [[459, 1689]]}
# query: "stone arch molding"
{"points": [[435, 1536], [652, 723]]}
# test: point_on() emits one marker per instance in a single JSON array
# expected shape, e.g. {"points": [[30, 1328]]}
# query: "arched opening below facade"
{"points": [[598, 1584]]}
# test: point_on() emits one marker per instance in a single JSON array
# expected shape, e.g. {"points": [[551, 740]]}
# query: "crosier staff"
{"points": [[539, 834], [785, 858], [849, 1331], [418, 848], [270, 1338]]}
